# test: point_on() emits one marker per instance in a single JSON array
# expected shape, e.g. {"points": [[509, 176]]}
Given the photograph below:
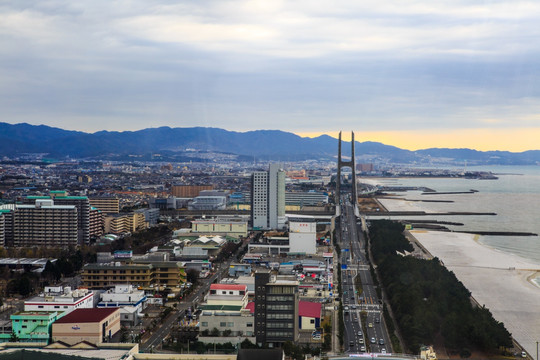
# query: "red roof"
{"points": [[86, 315], [305, 308], [309, 309], [228, 287]]}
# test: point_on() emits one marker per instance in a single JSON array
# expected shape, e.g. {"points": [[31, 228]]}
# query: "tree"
{"points": [[25, 286], [192, 276], [214, 332], [51, 271], [14, 337]]}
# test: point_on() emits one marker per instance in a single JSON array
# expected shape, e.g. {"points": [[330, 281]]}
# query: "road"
{"points": [[193, 299], [372, 335]]}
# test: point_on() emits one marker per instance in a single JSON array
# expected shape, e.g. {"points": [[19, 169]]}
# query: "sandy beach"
{"points": [[498, 280]]}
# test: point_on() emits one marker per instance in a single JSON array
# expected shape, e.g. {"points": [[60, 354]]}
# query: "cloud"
{"points": [[306, 65]]}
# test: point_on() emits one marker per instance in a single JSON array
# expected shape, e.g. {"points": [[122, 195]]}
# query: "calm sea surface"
{"points": [[514, 197]]}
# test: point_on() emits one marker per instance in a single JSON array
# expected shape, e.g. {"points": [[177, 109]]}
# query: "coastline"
{"points": [[501, 281]]}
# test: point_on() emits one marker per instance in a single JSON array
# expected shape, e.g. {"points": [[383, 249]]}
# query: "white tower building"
{"points": [[268, 198]]}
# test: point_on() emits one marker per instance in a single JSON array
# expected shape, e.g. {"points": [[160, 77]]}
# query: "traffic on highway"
{"points": [[362, 310]]}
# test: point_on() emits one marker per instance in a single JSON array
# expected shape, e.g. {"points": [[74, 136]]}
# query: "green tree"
{"points": [[192, 276]]}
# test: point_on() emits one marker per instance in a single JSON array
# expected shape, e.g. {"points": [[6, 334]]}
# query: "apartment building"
{"points": [[189, 191], [45, 224], [107, 204], [3, 227], [81, 203], [123, 223], [96, 223]]}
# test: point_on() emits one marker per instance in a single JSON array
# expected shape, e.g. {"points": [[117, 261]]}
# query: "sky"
{"points": [[414, 74]]}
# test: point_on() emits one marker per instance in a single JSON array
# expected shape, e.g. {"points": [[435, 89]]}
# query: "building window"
{"points": [[204, 324], [230, 324]]}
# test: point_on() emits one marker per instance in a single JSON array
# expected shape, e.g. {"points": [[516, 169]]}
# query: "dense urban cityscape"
{"points": [[224, 259]]}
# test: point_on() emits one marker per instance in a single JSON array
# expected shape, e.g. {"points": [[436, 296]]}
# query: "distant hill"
{"points": [[271, 144]]}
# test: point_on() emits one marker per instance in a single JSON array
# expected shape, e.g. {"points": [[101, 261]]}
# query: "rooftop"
{"points": [[86, 315], [228, 287], [222, 307]]}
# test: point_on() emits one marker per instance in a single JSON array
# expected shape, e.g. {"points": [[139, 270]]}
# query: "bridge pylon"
{"points": [[352, 165]]}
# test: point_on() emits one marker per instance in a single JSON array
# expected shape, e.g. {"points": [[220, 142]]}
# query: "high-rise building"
{"points": [[45, 224], [3, 227], [276, 310], [107, 204], [82, 204], [97, 223], [268, 198]]}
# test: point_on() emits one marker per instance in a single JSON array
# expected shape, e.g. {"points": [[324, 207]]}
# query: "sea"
{"points": [[514, 197]]}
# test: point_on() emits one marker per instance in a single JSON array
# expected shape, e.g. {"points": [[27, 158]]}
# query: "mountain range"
{"points": [[19, 139]]}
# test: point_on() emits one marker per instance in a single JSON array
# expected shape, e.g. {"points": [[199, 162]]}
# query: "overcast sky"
{"points": [[413, 74]]}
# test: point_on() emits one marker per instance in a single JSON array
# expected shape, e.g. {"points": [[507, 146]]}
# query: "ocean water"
{"points": [[514, 197]]}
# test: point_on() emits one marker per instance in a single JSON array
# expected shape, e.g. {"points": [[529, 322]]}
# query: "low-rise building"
{"points": [[225, 310], [61, 299], [212, 244], [148, 271], [32, 326], [93, 325], [227, 226], [236, 269], [130, 300], [309, 315], [208, 203], [102, 275]]}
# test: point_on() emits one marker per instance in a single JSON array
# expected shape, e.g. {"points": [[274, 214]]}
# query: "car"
{"points": [[352, 297], [370, 325], [359, 333], [372, 340], [361, 340], [377, 320], [354, 307], [346, 308], [383, 351], [351, 343], [523, 354], [363, 348], [381, 341]]}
